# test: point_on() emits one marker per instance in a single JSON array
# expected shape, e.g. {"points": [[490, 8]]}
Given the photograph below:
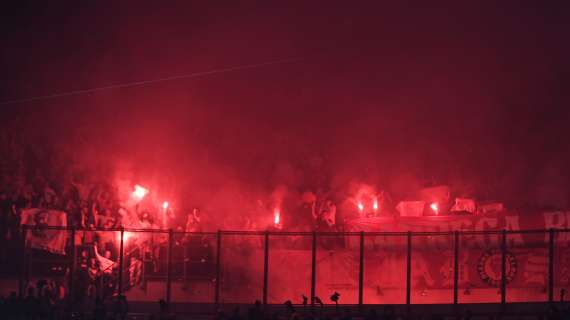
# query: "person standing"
{"points": [[194, 221], [326, 219]]}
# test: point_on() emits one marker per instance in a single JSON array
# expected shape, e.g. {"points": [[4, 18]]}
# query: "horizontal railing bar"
{"points": [[299, 233]]}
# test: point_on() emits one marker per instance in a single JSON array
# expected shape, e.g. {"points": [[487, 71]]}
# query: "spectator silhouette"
{"points": [[164, 312], [467, 315], [388, 313], [554, 314], [220, 315], [255, 313], [372, 315], [347, 314], [12, 306], [31, 305], [236, 314], [100, 312], [121, 308]]}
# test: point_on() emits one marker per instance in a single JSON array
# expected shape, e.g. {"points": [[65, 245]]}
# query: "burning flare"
{"points": [[360, 206], [434, 207], [126, 236], [375, 205], [165, 205], [276, 216], [139, 192]]}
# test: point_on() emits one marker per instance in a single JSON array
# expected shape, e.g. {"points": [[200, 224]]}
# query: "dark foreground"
{"points": [[286, 311]]}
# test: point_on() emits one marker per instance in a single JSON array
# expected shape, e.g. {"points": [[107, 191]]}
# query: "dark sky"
{"points": [[397, 95]]}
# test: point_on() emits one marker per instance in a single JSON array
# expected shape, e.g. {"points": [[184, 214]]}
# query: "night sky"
{"points": [[395, 95]]}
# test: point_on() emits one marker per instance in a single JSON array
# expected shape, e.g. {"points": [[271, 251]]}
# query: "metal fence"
{"points": [[272, 267]]}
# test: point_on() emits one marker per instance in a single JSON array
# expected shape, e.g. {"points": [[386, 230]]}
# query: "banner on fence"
{"points": [[477, 223], [40, 237]]}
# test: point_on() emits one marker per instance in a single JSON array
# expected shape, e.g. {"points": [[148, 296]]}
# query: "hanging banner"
{"points": [[474, 225], [479, 253], [40, 237]]}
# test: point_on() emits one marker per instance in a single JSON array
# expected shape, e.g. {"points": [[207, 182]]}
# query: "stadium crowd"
{"points": [[92, 207]]}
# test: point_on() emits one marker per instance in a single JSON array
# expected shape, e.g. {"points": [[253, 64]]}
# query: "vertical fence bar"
{"points": [[29, 263], [504, 267], [409, 270], [24, 262], [361, 270], [169, 266], [218, 267], [72, 269], [185, 262], [455, 267], [121, 262], [265, 267], [551, 240], [313, 267]]}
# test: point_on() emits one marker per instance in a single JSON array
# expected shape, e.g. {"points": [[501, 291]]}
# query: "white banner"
{"points": [[39, 237]]}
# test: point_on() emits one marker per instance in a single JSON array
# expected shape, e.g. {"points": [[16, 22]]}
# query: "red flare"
{"points": [[139, 192], [434, 207], [276, 216]]}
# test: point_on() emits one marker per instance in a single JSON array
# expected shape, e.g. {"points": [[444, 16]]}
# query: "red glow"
{"points": [[139, 192], [276, 215], [126, 236], [375, 205], [434, 207], [360, 206]]}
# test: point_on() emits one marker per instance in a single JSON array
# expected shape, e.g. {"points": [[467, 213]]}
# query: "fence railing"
{"points": [[364, 267]]}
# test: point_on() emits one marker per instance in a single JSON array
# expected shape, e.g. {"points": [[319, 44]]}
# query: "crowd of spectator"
{"points": [[45, 302], [558, 311]]}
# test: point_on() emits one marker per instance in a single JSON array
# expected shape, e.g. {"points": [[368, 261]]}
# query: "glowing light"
{"points": [[360, 206], [126, 236], [375, 205], [139, 192], [434, 207], [165, 205], [276, 216]]}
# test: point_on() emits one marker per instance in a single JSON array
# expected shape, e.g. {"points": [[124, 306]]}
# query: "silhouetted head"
{"points": [[162, 305]]}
